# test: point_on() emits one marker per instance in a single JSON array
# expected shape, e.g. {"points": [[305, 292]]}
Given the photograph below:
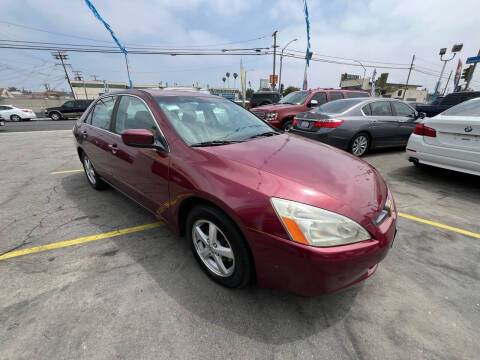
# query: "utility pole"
{"points": [[408, 77], [274, 57], [79, 77], [470, 78], [94, 77], [445, 88], [60, 55]]}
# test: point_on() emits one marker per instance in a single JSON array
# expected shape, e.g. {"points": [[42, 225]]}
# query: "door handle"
{"points": [[113, 148], [85, 133]]}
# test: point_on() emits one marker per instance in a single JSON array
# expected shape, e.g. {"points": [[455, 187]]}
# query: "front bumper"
{"points": [[309, 271]]}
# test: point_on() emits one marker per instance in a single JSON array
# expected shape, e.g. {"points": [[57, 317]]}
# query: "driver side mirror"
{"points": [[420, 115], [312, 103], [140, 138]]}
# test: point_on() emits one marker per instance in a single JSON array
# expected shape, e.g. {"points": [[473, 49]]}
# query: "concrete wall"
{"points": [[37, 105]]}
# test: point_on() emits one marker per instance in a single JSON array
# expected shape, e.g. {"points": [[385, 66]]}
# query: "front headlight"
{"points": [[313, 226], [271, 116]]}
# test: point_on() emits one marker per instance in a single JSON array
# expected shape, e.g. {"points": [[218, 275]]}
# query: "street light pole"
{"points": [[281, 61], [364, 71], [455, 48], [274, 57]]}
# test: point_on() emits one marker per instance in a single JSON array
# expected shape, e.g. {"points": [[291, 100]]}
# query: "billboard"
{"points": [[264, 84]]}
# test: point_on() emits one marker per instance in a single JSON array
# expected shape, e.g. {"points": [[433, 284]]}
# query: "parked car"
{"points": [[358, 125], [260, 98], [236, 188], [414, 104], [447, 102], [70, 109], [281, 115], [450, 140], [2, 121], [12, 113]]}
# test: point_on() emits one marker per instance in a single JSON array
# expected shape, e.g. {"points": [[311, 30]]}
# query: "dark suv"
{"points": [[447, 102], [70, 109], [263, 98]]}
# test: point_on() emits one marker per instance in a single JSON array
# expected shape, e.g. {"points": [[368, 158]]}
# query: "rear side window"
{"points": [[334, 95], [366, 110], [102, 113], [356, 94], [321, 97], [381, 108]]}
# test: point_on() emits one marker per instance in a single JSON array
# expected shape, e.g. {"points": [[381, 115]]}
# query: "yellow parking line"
{"points": [[65, 171], [433, 223], [80, 240]]}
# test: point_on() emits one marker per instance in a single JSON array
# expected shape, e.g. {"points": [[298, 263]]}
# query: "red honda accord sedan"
{"points": [[254, 202]]}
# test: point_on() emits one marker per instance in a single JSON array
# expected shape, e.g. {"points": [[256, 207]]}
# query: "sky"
{"points": [[373, 32]]}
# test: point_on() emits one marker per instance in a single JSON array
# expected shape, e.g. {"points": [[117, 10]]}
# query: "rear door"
{"points": [[140, 172], [96, 135], [406, 118], [384, 126]]}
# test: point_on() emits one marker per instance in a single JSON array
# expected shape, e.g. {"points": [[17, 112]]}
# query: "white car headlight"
{"points": [[313, 226], [271, 116]]}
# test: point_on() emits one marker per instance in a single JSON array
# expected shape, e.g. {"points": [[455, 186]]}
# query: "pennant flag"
{"points": [[307, 55], [243, 80], [457, 74], [372, 91]]}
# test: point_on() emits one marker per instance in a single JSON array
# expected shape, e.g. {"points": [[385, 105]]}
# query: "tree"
{"points": [[228, 77], [290, 89], [224, 79], [248, 93], [12, 88], [235, 75]]}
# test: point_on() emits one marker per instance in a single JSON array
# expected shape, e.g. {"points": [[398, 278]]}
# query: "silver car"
{"points": [[359, 125]]}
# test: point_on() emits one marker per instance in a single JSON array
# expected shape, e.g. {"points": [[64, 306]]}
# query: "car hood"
{"points": [[275, 107], [307, 171]]}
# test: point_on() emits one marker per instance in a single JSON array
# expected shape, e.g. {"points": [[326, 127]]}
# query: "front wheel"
{"points": [[360, 144], [287, 126], [93, 179], [219, 247]]}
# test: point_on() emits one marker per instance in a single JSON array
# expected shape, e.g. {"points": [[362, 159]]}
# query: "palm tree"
{"points": [[228, 77], [235, 75], [224, 79]]}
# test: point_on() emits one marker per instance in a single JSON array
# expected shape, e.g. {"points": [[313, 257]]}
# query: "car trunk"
{"points": [[456, 133], [306, 121]]}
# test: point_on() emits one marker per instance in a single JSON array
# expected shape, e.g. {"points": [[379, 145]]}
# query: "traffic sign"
{"points": [[473, 60]]}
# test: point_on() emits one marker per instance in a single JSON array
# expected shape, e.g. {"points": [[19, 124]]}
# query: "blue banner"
{"points": [[307, 55], [97, 15]]}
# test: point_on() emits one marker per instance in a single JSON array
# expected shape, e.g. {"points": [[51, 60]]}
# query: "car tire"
{"points": [[360, 144], [226, 259], [15, 118], [55, 116], [93, 179], [287, 125]]}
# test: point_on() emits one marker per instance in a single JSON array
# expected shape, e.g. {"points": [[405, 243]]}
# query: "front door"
{"points": [[383, 125], [407, 120], [140, 172]]}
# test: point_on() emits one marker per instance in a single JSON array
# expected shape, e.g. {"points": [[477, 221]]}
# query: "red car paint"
{"points": [[240, 179], [286, 112]]}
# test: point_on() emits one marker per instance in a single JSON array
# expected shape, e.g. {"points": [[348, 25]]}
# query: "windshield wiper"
{"points": [[265, 134], [215, 143]]}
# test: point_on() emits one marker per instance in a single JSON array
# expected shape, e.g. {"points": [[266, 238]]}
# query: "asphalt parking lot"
{"points": [[139, 293], [41, 124]]}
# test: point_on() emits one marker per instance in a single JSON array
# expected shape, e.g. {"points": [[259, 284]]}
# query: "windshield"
{"points": [[203, 120], [467, 108], [295, 98], [337, 106]]}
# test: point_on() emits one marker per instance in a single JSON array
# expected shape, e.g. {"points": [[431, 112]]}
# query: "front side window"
{"points": [[335, 95], [132, 113], [381, 108], [403, 109], [68, 104], [295, 98], [102, 112], [200, 120]]}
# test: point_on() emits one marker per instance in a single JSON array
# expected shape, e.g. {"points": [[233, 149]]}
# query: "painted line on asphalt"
{"points": [[66, 171], [439, 225], [80, 240]]}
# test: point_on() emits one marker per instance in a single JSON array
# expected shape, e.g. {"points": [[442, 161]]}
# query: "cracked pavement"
{"points": [[142, 295]]}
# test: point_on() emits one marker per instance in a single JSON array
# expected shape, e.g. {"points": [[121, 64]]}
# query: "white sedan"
{"points": [[450, 140], [9, 112]]}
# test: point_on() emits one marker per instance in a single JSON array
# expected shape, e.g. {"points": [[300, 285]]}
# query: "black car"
{"points": [[447, 102], [264, 98], [359, 124], [70, 109]]}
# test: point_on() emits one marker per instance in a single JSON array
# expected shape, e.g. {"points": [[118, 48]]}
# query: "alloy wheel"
{"points": [[359, 145], [15, 118], [55, 116], [89, 170], [213, 248]]}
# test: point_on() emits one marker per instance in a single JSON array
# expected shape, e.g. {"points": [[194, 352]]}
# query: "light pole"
{"points": [[281, 61], [364, 71], [455, 48]]}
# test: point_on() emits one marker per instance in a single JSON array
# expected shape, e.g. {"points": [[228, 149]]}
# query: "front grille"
{"points": [[259, 114]]}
